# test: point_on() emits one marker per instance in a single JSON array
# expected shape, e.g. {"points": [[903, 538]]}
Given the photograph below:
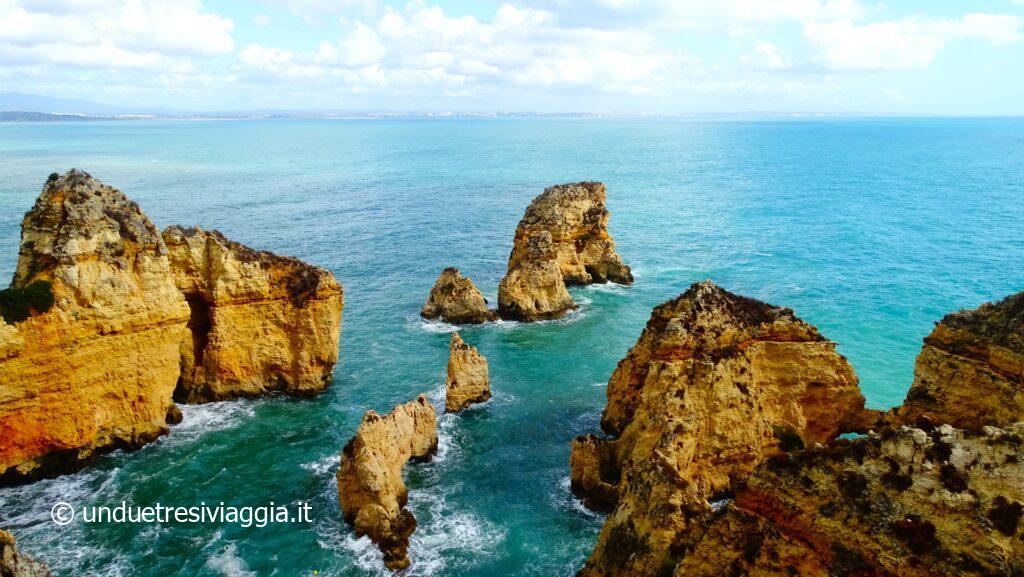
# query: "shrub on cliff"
{"points": [[18, 304]]}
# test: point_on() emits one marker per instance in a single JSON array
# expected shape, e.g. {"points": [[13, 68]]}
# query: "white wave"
{"points": [[323, 466], [228, 563], [198, 420], [608, 287], [565, 499]]}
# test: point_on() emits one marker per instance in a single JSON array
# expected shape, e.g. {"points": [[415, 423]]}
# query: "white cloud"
{"points": [[110, 34], [423, 46], [904, 44]]}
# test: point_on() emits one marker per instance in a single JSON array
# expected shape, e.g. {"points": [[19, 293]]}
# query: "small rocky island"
{"points": [[723, 458], [455, 299], [106, 318], [467, 381], [371, 491], [561, 240]]}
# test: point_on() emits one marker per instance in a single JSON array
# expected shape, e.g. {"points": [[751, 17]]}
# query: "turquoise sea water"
{"points": [[870, 229]]}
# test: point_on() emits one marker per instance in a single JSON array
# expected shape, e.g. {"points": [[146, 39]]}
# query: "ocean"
{"points": [[871, 229]]}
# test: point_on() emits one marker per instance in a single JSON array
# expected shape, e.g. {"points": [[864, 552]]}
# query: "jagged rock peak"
{"points": [[455, 299], [78, 217], [912, 502], [706, 323], [277, 319], [716, 384], [970, 372], [371, 491], [467, 382]]}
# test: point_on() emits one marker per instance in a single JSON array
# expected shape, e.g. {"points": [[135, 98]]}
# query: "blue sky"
{"points": [[656, 56]]}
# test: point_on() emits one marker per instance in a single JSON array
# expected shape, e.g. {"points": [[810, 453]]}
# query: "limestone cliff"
{"points": [[910, 502], [561, 240], [716, 384], [370, 487], [260, 322], [970, 372], [96, 370], [14, 564], [467, 381], [455, 299]]}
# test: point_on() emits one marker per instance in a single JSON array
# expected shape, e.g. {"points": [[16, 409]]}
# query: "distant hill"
{"points": [[18, 102]]}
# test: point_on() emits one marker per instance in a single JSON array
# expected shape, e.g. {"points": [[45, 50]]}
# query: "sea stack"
{"points": [[96, 369], [455, 299], [716, 384], [970, 372], [467, 381], [14, 564], [561, 240], [260, 323], [370, 487]]}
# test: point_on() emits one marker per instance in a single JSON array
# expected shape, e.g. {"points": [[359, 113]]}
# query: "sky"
{"points": [[602, 56]]}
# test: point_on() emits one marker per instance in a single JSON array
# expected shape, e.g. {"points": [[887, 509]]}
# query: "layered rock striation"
{"points": [[716, 384], [455, 299], [561, 240], [970, 372], [467, 381], [14, 564], [911, 502], [370, 487], [96, 370], [259, 323]]}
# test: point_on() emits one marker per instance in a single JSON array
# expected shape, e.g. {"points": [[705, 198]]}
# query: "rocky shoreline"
{"points": [[729, 400]]}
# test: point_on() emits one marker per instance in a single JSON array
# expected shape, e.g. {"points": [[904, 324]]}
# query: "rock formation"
{"points": [[97, 369], [970, 372], [911, 502], [370, 487], [467, 381], [97, 327], [716, 384], [561, 240], [260, 323], [13, 564], [455, 299]]}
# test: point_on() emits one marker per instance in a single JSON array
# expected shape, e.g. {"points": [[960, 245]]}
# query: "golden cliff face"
{"points": [[370, 487], [260, 323], [97, 370], [716, 384], [561, 240], [911, 502], [467, 381], [970, 372]]}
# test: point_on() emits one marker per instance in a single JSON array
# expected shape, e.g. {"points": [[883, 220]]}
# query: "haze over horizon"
{"points": [[606, 56]]}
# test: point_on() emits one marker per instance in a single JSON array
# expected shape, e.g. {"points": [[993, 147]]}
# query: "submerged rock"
{"points": [[455, 299], [14, 564], [716, 384], [467, 381], [370, 487], [911, 502], [970, 372], [96, 370], [561, 240], [260, 323]]}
